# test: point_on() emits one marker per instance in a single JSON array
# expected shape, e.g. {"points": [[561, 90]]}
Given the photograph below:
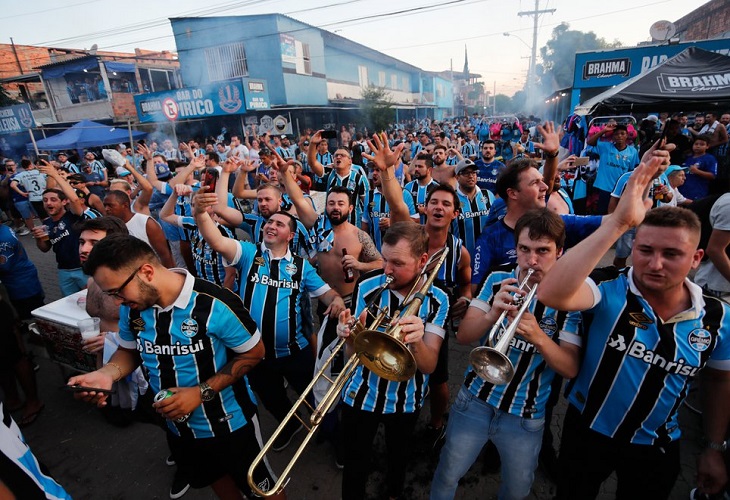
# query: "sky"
{"points": [[430, 34]]}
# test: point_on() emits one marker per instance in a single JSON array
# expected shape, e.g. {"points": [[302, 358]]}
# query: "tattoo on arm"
{"points": [[369, 253], [234, 370]]}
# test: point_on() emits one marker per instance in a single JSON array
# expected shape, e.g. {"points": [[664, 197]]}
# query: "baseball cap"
{"points": [[76, 178], [162, 171], [672, 169], [283, 136], [62, 153], [652, 118], [463, 165], [122, 172]]}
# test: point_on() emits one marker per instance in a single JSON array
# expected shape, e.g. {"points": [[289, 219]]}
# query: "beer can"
{"points": [[164, 394]]}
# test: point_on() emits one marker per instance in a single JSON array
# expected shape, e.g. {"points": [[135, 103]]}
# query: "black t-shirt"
{"points": [[65, 240]]}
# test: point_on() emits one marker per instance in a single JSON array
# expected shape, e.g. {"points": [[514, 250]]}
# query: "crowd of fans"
{"points": [[157, 231]]}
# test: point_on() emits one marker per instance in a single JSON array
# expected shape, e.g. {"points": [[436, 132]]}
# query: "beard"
{"points": [[336, 217]]}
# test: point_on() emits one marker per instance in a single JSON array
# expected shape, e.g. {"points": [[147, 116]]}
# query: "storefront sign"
{"points": [[14, 119], [225, 98]]}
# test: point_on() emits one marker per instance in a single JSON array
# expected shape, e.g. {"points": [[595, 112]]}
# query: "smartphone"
{"points": [[581, 161], [81, 388], [329, 134], [43, 157], [210, 179]]}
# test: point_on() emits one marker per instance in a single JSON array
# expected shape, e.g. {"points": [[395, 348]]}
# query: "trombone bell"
{"points": [[491, 365], [386, 356]]}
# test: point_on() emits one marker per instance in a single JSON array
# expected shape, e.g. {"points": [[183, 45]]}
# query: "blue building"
{"points": [[313, 78]]}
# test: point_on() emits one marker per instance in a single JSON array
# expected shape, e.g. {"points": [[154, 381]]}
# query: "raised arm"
{"points": [[593, 139], [312, 161], [149, 165], [241, 188], [141, 202], [182, 174], [75, 204], [227, 247], [305, 211], [564, 287], [550, 145], [385, 160]]}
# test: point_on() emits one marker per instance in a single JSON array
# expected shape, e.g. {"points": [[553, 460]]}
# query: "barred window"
{"points": [[226, 62]]}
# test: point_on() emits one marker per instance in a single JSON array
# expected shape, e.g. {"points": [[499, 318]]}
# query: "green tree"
{"points": [[558, 55], [377, 108], [503, 104]]}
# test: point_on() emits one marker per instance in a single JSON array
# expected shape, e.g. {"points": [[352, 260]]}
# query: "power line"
{"points": [[49, 10]]}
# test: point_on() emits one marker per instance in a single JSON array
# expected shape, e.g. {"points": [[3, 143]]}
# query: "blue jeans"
{"points": [[472, 423], [71, 281]]}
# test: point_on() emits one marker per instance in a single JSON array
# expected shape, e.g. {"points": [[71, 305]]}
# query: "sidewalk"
{"points": [[94, 460]]}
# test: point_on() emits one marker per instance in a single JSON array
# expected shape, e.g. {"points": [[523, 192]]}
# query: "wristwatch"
{"points": [[716, 446], [206, 392]]}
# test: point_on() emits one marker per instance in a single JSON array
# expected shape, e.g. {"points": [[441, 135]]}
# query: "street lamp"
{"points": [[530, 69]]}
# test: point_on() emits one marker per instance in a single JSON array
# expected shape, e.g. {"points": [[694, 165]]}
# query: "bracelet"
{"points": [[468, 300], [382, 176], [552, 155], [119, 369]]}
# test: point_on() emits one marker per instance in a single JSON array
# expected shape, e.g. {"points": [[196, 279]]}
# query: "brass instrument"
{"points": [[379, 347], [492, 363]]}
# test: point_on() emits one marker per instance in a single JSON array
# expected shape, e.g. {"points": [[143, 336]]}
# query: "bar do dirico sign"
{"points": [[225, 98]]}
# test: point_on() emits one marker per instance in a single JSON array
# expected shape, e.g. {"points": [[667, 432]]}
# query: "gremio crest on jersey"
{"points": [[699, 339], [189, 327]]}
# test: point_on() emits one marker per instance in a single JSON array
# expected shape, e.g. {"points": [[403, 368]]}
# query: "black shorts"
{"points": [[441, 374], [204, 461]]}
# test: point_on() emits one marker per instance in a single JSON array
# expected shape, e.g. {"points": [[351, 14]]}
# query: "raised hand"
{"points": [[550, 137], [382, 155]]}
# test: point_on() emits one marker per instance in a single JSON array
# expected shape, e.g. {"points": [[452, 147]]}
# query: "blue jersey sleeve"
{"points": [[408, 199], [579, 227], [313, 283], [126, 337], [618, 189], [232, 325]]}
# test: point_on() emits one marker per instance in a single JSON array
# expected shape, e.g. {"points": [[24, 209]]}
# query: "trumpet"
{"points": [[491, 362], [379, 347]]}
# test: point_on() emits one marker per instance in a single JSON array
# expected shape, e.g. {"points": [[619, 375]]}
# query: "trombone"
{"points": [[492, 363], [379, 347]]}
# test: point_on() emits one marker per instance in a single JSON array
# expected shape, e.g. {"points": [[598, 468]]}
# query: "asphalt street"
{"points": [[95, 460]]}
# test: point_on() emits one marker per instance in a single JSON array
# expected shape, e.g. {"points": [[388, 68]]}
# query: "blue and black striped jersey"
{"points": [[275, 291], [637, 367], [190, 341], [208, 263], [367, 391], [472, 217], [420, 193], [358, 184], [448, 275], [377, 208], [528, 391], [469, 150]]}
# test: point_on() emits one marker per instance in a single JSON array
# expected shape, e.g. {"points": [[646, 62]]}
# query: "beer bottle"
{"points": [[349, 275]]}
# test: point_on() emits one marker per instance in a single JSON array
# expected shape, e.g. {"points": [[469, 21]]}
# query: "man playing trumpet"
{"points": [[511, 414]]}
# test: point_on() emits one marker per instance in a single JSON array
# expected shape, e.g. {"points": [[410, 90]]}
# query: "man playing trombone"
{"points": [[369, 399], [510, 410]]}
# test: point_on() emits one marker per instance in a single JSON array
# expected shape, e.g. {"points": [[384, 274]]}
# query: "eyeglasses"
{"points": [[74, 183], [117, 292], [469, 173], [340, 155]]}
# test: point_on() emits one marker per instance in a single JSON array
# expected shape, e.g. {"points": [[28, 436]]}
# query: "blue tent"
{"points": [[86, 134]]}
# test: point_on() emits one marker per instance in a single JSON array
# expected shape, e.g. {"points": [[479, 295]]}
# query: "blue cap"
{"points": [[162, 171], [672, 169]]}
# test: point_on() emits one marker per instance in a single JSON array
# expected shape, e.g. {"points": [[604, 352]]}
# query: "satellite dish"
{"points": [[93, 49], [662, 30]]}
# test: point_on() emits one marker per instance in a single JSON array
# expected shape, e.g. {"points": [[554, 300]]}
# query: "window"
{"points": [[226, 62], [303, 60], [363, 75], [307, 59], [394, 82], [406, 84], [157, 80], [381, 78]]}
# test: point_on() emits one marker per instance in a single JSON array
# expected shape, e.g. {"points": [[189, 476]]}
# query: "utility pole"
{"points": [[535, 16]]}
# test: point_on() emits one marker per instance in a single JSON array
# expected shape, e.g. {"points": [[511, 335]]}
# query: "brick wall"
{"points": [[711, 20]]}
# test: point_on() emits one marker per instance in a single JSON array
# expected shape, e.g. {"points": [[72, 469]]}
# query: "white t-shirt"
{"points": [[708, 274]]}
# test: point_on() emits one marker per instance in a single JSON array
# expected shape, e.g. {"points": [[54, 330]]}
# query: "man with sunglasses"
{"points": [[197, 342]]}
